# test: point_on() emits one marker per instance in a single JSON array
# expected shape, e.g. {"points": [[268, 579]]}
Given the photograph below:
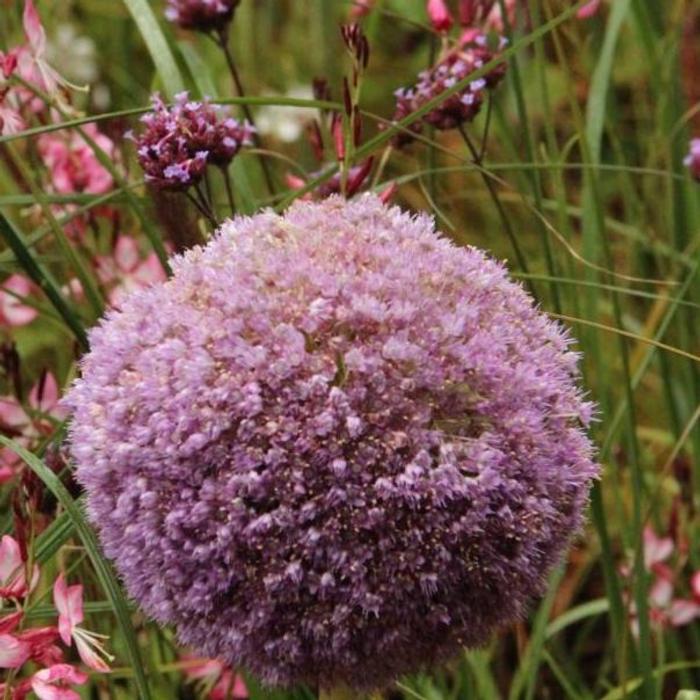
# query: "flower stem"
{"points": [[229, 190], [476, 157], [222, 41]]}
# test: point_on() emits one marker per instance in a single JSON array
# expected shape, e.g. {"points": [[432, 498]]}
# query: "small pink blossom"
{"points": [[41, 641], [695, 585], [589, 9], [72, 162], [12, 311], [8, 623], [664, 609], [53, 683], [13, 651], [656, 549], [126, 270], [13, 579], [218, 681], [27, 426], [32, 65], [360, 8], [439, 15], [69, 603]]}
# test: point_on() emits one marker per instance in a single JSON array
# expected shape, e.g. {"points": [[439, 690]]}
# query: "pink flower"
{"points": [[664, 609], [682, 612], [52, 683], [13, 651], [439, 15], [219, 682], [27, 427], [589, 9], [494, 19], [29, 63], [695, 585], [13, 580], [69, 603], [72, 162], [360, 8], [41, 641], [8, 623], [12, 311], [125, 270], [31, 58], [656, 549]]}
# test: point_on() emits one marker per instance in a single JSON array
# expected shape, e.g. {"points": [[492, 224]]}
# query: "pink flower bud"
{"points": [[439, 15]]}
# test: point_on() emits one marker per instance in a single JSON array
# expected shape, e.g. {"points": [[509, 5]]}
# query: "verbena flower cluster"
{"points": [[179, 141], [334, 447], [459, 108], [202, 15]]}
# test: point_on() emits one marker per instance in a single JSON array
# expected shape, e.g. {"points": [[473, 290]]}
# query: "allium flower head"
{"points": [[692, 160], [459, 108], [179, 141], [333, 447], [202, 15]]}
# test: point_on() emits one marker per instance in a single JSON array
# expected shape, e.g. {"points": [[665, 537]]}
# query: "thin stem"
{"points": [[201, 209], [229, 190], [487, 126], [497, 202], [208, 191], [222, 41]]}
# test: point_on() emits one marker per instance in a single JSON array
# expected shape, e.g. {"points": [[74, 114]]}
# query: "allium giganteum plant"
{"points": [[349, 349]]}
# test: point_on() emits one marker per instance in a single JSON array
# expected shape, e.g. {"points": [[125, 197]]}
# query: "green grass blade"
{"points": [[158, 47], [54, 537]]}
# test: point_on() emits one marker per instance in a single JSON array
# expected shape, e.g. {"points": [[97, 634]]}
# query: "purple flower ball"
{"points": [[333, 448], [201, 15]]}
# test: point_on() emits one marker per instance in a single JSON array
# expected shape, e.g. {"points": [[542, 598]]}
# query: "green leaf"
{"points": [[574, 615], [53, 538], [157, 46], [103, 569]]}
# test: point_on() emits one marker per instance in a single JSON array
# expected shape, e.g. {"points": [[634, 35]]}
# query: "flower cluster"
{"points": [[202, 15], [179, 141], [459, 108], [333, 447], [692, 160], [39, 645]]}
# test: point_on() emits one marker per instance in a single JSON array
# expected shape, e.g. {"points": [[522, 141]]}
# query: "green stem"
{"points": [[222, 41]]}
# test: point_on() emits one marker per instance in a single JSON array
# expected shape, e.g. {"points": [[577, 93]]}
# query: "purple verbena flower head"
{"points": [[333, 447], [463, 106], [692, 160], [179, 141], [202, 15]]}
